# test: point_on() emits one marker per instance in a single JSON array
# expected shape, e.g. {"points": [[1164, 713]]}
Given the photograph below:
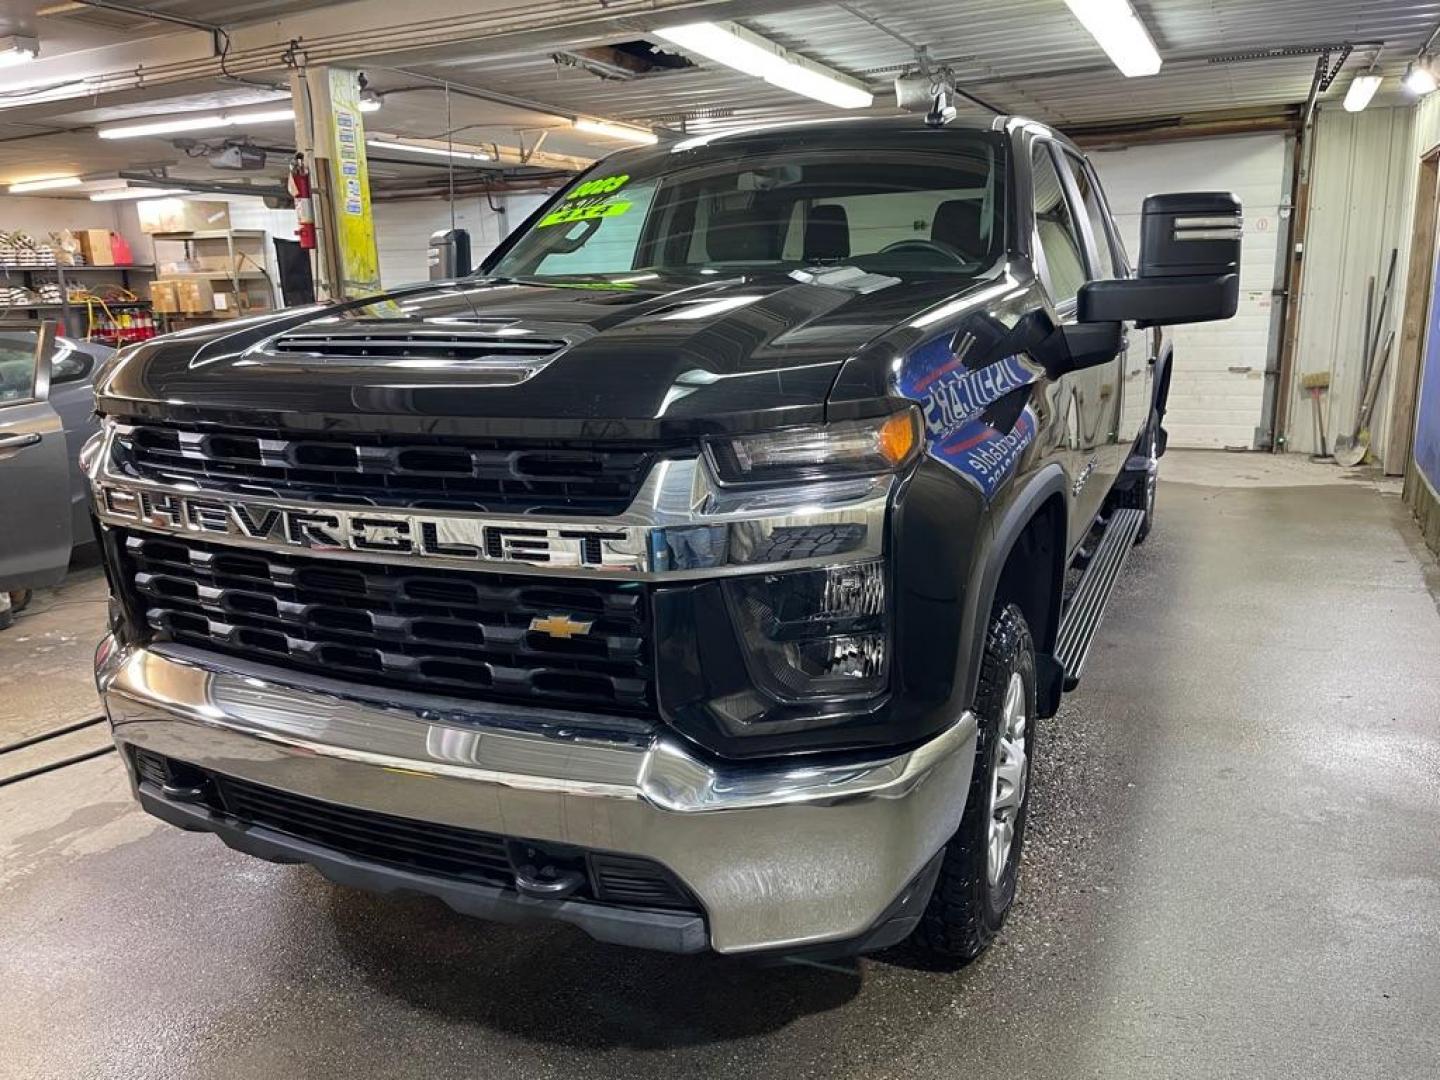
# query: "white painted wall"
{"points": [[1218, 385], [1358, 215], [1424, 137], [39, 217], [403, 229]]}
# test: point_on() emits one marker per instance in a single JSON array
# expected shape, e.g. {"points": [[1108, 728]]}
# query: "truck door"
{"points": [[34, 468], [1137, 358], [1087, 399]]}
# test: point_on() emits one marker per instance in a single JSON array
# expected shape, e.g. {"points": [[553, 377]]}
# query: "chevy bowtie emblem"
{"points": [[560, 626]]}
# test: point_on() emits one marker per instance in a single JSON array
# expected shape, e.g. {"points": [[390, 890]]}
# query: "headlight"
{"points": [[815, 633], [822, 452]]}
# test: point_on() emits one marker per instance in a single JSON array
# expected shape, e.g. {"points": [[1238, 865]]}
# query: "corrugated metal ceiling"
{"points": [[1027, 56]]}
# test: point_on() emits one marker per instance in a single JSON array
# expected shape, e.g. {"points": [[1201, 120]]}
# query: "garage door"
{"points": [[1218, 385]]}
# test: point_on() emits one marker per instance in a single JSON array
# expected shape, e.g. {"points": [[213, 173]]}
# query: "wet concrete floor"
{"points": [[1232, 871]]}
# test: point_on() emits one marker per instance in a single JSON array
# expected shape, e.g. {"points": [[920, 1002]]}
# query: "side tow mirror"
{"points": [[1189, 265], [1075, 346]]}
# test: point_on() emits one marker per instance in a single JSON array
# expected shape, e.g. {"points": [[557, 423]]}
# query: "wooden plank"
{"points": [[1410, 351]]}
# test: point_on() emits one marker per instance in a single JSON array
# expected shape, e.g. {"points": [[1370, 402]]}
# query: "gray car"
{"points": [[47, 407]]}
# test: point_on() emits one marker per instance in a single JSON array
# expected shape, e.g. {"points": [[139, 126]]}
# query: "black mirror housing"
{"points": [[1189, 265], [1160, 301]]}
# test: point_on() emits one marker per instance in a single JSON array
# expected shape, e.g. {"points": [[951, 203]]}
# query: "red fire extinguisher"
{"points": [[299, 185]]}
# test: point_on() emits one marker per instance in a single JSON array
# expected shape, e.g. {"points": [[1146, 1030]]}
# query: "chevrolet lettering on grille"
{"points": [[374, 532]]}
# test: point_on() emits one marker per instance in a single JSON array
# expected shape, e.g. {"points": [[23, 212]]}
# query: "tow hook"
{"points": [[541, 875]]}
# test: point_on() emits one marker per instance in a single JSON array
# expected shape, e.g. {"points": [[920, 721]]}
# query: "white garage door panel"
{"points": [[402, 231], [1218, 385]]}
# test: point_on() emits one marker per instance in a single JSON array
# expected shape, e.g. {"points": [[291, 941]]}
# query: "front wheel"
{"points": [[981, 863]]}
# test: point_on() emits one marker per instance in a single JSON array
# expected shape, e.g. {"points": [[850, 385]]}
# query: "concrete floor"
{"points": [[1232, 870]]}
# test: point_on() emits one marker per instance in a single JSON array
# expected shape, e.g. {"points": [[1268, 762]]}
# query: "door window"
{"points": [[17, 372], [1105, 261], [1063, 269]]}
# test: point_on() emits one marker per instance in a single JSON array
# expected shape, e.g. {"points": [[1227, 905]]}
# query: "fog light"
{"points": [[816, 633]]}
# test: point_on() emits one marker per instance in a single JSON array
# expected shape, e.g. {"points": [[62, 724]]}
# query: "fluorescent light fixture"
{"points": [[438, 151], [45, 185], [136, 193], [1118, 30], [17, 49], [736, 47], [370, 101], [195, 122], [1420, 78], [1362, 89], [623, 132]]}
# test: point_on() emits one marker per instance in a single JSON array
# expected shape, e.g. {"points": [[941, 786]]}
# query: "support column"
{"points": [[330, 132]]}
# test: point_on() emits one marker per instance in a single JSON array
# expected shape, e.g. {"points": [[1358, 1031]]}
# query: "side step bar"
{"points": [[1082, 618]]}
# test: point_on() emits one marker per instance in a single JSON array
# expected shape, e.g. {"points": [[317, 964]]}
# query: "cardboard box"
{"points": [[182, 215], [196, 297], [165, 297], [98, 247]]}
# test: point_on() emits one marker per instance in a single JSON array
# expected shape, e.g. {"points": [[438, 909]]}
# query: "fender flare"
{"points": [[1039, 488]]}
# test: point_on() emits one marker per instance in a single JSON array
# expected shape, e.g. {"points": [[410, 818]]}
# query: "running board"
{"points": [[1087, 607]]}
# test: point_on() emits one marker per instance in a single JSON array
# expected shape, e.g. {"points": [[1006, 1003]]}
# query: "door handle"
{"points": [[15, 442]]}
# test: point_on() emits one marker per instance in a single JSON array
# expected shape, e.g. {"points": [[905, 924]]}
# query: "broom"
{"points": [[1316, 384]]}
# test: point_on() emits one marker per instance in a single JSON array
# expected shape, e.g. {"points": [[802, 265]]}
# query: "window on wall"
{"points": [[1064, 269]]}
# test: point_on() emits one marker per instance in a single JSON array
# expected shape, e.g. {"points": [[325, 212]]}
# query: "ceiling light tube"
{"points": [[1362, 89], [623, 132], [45, 185], [1118, 30], [136, 193], [439, 151], [1419, 78], [747, 52], [195, 122]]}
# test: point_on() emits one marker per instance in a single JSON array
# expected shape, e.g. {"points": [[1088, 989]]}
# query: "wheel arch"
{"points": [[1030, 535]]}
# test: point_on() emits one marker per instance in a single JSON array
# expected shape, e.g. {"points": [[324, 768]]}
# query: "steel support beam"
{"points": [[330, 133]]}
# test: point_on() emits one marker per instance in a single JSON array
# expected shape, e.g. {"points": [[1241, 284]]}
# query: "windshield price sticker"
{"points": [[589, 200]]}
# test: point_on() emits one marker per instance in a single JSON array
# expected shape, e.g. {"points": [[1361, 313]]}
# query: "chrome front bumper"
{"points": [[778, 857]]}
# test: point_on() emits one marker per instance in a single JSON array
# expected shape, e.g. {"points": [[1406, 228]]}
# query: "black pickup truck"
{"points": [[696, 573]]}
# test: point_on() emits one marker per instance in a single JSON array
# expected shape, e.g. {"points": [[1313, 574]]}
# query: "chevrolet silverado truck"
{"points": [[695, 574]]}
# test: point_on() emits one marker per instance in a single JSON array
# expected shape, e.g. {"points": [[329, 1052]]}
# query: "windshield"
{"points": [[899, 212]]}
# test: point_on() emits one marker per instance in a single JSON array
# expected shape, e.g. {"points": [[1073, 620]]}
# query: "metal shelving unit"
{"points": [[240, 280], [70, 313]]}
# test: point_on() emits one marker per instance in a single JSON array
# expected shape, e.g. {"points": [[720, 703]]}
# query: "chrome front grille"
{"points": [[531, 476], [447, 632]]}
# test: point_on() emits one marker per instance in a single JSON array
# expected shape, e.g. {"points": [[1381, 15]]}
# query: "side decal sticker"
{"points": [[963, 381]]}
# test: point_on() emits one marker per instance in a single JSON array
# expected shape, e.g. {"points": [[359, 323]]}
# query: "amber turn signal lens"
{"points": [[897, 437]]}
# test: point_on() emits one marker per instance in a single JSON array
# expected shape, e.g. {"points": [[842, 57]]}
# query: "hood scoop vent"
{"points": [[506, 358]]}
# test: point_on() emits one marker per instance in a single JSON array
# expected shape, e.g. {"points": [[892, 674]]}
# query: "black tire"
{"points": [[966, 910], [1141, 494]]}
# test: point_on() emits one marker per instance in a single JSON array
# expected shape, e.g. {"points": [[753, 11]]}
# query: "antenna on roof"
{"points": [[942, 112]]}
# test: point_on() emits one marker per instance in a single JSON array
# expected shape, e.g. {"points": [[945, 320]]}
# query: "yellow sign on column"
{"points": [[354, 226]]}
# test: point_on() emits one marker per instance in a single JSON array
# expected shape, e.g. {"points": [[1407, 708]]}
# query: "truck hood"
{"points": [[639, 357]]}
